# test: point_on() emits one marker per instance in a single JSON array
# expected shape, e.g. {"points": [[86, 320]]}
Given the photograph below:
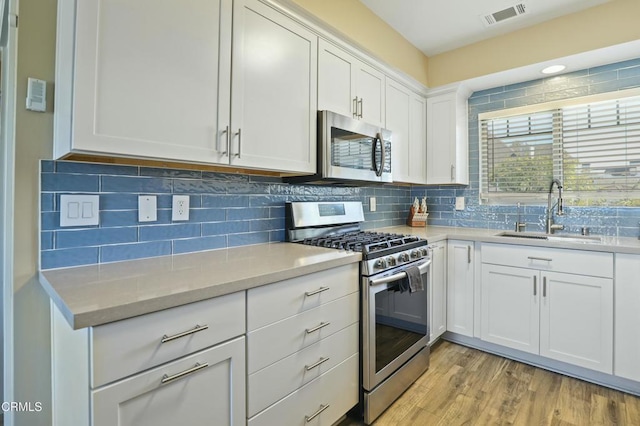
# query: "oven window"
{"points": [[401, 320]]}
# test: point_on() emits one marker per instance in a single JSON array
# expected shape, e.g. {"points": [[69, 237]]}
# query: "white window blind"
{"points": [[594, 149]]}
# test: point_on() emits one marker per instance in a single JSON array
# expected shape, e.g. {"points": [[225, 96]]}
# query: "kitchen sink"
{"points": [[585, 239]]}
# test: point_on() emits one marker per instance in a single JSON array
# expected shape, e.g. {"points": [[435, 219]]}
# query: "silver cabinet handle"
{"points": [[239, 143], [314, 292], [544, 259], [355, 107], [196, 329], [544, 286], [453, 173], [317, 327], [168, 379], [316, 414], [535, 285], [468, 254], [361, 109], [316, 364], [226, 131]]}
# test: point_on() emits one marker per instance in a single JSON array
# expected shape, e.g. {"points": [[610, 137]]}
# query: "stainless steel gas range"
{"points": [[394, 274]]}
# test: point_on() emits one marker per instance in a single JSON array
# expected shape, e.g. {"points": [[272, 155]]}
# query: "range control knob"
{"points": [[404, 257], [424, 252], [380, 264], [391, 261], [414, 254]]}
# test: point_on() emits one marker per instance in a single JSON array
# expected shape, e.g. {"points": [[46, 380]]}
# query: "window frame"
{"points": [[540, 198]]}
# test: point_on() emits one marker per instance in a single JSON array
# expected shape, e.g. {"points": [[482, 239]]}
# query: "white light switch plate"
{"points": [[79, 210], [372, 204], [459, 203], [147, 208]]}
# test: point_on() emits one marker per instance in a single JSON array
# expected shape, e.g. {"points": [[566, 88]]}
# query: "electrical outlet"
{"points": [[180, 208], [372, 204], [459, 203]]}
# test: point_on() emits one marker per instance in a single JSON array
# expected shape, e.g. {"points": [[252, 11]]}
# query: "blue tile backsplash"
{"points": [[229, 210], [611, 221], [226, 210]]}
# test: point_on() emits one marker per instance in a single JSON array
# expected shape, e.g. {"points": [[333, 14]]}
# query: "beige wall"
{"points": [[601, 26], [34, 133], [360, 24]]}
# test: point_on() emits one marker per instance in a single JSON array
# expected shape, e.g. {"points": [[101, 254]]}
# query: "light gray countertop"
{"points": [[98, 294], [438, 233]]}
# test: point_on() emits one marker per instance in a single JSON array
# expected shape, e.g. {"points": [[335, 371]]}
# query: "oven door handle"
{"points": [[402, 274]]}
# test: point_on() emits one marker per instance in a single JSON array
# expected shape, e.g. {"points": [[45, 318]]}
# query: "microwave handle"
{"points": [[383, 154], [385, 280], [376, 140], [374, 162]]}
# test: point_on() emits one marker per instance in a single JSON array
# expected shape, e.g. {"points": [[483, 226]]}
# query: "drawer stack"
{"points": [[166, 367], [302, 348]]}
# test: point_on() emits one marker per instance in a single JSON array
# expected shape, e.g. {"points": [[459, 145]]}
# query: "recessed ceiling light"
{"points": [[553, 69]]}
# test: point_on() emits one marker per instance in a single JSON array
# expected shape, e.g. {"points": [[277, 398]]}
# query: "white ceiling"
{"points": [[435, 26]]}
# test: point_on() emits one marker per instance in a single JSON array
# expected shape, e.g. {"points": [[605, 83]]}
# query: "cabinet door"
{"points": [[438, 292], [406, 118], [576, 320], [274, 90], [336, 80], [370, 92], [510, 307], [627, 317], [214, 394], [137, 91], [460, 286], [447, 139]]}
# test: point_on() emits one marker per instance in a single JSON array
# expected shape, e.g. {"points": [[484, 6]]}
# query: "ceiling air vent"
{"points": [[503, 15]]}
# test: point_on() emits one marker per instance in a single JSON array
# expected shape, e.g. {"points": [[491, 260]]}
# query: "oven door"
{"points": [[395, 324]]}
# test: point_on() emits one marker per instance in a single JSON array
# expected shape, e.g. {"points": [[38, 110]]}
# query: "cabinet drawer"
{"points": [[276, 341], [268, 385], [126, 347], [211, 394], [274, 302], [337, 390], [582, 262]]}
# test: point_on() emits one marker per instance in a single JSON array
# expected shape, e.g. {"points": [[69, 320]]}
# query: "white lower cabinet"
{"points": [[627, 317], [202, 389], [510, 307], [302, 349], [438, 291], [542, 310], [460, 286]]}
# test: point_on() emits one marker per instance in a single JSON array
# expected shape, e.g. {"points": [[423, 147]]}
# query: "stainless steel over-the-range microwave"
{"points": [[350, 151]]}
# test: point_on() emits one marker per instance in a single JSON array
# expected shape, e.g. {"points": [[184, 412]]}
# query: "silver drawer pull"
{"points": [[197, 328], [312, 366], [314, 292], [544, 259], [317, 327], [168, 379], [316, 414]]}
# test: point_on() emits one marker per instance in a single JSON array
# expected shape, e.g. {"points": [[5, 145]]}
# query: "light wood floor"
{"points": [[464, 386]]}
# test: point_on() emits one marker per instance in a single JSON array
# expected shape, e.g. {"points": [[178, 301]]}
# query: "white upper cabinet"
{"points": [[152, 79], [273, 100], [139, 84], [447, 138], [406, 118], [348, 86]]}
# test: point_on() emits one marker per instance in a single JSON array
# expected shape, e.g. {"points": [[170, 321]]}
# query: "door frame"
{"points": [[7, 173]]}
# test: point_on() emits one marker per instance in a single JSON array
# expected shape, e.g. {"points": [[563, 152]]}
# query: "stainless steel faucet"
{"points": [[552, 227], [520, 226]]}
